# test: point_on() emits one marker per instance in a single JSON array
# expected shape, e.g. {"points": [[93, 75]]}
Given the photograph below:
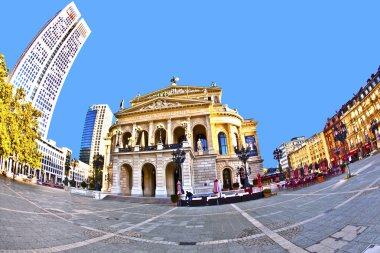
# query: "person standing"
{"points": [[189, 197]]}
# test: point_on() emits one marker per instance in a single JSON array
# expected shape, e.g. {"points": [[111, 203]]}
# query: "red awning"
{"points": [[367, 146]]}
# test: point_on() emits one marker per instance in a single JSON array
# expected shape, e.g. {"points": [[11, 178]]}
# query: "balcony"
{"points": [[149, 148]]}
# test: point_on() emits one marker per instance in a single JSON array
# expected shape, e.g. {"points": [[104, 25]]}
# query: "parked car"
{"points": [[47, 184], [59, 185]]}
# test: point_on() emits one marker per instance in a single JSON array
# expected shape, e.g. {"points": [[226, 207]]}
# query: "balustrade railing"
{"points": [[172, 146], [148, 148], [151, 148], [125, 150]]}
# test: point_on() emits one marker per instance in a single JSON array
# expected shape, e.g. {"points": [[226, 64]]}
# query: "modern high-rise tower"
{"points": [[44, 65], [98, 121]]}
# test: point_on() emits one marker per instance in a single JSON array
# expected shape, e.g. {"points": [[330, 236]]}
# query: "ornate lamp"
{"points": [[277, 155], [179, 157], [341, 135], [244, 154]]}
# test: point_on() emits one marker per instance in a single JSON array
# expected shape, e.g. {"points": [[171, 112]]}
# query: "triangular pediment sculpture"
{"points": [[176, 91], [162, 103]]}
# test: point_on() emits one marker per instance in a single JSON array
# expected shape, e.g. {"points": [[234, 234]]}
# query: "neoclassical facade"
{"points": [[141, 142]]}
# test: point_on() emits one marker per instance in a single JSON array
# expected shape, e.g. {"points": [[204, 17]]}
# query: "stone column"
{"points": [[188, 130], [186, 174], [242, 138], [136, 180], [230, 140], [150, 133], [210, 145], [258, 146], [169, 132], [116, 189], [133, 135], [160, 177]]}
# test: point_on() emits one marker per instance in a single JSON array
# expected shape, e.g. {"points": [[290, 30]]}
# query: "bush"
{"points": [[320, 174], [72, 183], [92, 185], [174, 198], [267, 190], [235, 185], [255, 182], [66, 181], [83, 184]]}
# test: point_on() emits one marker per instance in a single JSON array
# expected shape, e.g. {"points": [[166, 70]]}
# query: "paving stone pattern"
{"points": [[335, 216]]}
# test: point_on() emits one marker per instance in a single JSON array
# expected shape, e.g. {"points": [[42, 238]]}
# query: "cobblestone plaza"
{"points": [[335, 216]]}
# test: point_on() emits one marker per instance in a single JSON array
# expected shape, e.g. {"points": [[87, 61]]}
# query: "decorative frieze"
{"points": [[160, 104]]}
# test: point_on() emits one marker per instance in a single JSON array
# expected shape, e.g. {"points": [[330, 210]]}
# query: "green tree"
{"points": [[5, 113], [18, 123], [98, 171]]}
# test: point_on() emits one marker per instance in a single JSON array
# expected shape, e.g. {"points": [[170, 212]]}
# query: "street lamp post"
{"points": [[341, 135], [374, 128], [179, 157], [244, 154], [74, 163], [277, 155], [98, 163]]}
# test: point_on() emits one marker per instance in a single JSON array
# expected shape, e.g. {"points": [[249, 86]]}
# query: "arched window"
{"points": [[223, 150], [203, 139]]}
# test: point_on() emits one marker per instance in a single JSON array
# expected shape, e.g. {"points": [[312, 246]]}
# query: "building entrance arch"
{"points": [[171, 176], [148, 180], [227, 178], [126, 179]]}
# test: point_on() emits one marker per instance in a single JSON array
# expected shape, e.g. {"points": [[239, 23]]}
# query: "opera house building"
{"points": [[140, 145]]}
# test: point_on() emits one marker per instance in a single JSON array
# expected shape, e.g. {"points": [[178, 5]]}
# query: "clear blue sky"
{"points": [[287, 64]]}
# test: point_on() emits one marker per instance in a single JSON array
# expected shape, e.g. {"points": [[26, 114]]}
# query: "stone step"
{"points": [[140, 200]]}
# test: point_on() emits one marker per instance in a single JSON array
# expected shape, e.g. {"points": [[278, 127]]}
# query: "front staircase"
{"points": [[140, 200]]}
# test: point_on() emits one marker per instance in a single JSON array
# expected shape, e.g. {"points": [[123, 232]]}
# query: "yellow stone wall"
{"points": [[313, 150], [358, 119]]}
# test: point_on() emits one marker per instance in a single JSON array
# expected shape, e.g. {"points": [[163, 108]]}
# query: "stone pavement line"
{"points": [[312, 201], [289, 246], [26, 212], [34, 204], [330, 193], [357, 194], [93, 240], [9, 195]]}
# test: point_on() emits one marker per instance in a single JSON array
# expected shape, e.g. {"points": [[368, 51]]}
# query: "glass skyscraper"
{"points": [[98, 121], [44, 65]]}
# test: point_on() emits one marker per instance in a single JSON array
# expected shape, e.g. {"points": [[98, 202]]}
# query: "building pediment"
{"points": [[173, 91], [163, 103]]}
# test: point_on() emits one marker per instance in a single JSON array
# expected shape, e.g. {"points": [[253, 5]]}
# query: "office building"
{"points": [[46, 62], [98, 121]]}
